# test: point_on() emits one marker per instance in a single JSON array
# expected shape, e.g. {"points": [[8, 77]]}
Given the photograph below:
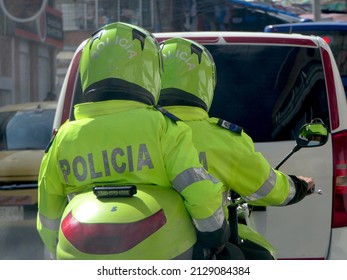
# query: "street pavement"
{"points": [[19, 239]]}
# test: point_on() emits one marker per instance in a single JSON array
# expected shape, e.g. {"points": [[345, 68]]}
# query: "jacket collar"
{"points": [[93, 109], [188, 113]]}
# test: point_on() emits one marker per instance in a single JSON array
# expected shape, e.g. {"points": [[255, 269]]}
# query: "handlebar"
{"points": [[313, 190]]}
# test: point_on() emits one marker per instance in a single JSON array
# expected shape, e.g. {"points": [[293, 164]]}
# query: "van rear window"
{"points": [[271, 91]]}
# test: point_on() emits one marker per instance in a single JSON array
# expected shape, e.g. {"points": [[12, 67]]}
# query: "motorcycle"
{"points": [[126, 222]]}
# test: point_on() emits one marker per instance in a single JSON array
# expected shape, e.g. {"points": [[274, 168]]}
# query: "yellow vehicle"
{"points": [[25, 131]]}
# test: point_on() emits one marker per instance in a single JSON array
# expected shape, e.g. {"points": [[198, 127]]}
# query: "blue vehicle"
{"points": [[234, 15], [334, 33], [253, 15]]}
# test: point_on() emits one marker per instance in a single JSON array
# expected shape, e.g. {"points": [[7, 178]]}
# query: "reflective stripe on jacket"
{"points": [[124, 142]]}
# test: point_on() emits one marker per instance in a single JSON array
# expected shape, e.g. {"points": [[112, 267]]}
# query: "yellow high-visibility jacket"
{"points": [[127, 142], [228, 153]]}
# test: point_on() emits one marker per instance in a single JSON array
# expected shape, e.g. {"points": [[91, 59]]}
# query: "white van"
{"points": [[271, 84]]}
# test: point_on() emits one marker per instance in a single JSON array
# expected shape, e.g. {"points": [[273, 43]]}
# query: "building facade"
{"points": [[35, 54], [28, 51]]}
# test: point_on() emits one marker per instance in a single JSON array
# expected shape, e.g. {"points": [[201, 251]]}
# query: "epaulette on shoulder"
{"points": [[167, 113], [230, 126], [51, 141], [54, 134]]}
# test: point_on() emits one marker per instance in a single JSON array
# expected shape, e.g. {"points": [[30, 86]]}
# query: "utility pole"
{"points": [[96, 13], [316, 10]]}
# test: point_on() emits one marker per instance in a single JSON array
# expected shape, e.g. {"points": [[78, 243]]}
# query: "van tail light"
{"points": [[339, 218]]}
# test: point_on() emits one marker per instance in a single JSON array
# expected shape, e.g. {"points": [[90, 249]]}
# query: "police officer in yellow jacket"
{"points": [[119, 137], [226, 151]]}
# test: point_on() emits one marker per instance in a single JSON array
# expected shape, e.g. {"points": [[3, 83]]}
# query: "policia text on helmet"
{"points": [[121, 61], [194, 69]]}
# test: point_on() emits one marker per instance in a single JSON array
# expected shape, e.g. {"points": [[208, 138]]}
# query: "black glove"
{"points": [[300, 190]]}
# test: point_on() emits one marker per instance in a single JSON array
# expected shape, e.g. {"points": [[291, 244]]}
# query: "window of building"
{"points": [[83, 15]]}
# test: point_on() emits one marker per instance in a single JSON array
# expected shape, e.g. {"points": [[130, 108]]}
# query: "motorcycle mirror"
{"points": [[313, 134]]}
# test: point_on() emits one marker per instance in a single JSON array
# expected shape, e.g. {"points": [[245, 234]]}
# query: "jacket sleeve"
{"points": [[51, 203], [257, 182], [202, 193]]}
